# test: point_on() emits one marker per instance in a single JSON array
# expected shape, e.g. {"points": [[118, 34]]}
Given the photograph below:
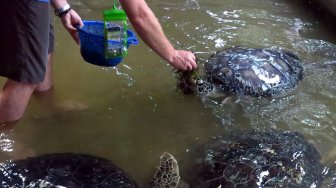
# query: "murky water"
{"points": [[132, 113]]}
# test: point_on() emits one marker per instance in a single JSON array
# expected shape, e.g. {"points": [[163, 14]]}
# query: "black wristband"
{"points": [[62, 11]]}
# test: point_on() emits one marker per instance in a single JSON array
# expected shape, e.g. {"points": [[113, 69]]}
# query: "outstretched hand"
{"points": [[183, 60], [70, 22]]}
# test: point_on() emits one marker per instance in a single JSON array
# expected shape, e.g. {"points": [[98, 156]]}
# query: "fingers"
{"points": [[189, 61], [74, 35], [189, 67], [79, 22], [193, 62], [73, 32], [70, 22]]}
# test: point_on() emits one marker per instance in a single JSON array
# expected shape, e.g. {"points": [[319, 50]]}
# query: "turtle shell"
{"points": [[259, 159], [256, 72], [63, 169]]}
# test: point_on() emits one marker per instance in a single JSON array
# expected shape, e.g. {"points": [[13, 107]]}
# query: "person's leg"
{"points": [[44, 90], [24, 55], [48, 79], [47, 83], [14, 98]]}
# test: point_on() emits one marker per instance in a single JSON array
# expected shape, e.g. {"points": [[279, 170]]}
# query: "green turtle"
{"points": [[70, 170], [248, 71], [249, 159], [60, 170], [258, 159]]}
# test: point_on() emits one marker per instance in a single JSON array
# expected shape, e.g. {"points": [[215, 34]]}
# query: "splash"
{"points": [[121, 72]]}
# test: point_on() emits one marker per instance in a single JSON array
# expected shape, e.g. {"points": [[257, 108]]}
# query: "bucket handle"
{"points": [[132, 40]]}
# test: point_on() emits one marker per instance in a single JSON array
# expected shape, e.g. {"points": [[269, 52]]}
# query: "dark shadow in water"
{"points": [[321, 14]]}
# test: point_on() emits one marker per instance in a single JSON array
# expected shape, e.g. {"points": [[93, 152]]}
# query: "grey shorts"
{"points": [[26, 38]]}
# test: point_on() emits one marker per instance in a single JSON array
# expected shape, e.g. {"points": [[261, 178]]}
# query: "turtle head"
{"points": [[189, 83], [167, 174], [204, 87]]}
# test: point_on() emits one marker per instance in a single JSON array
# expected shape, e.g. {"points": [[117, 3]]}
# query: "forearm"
{"points": [[148, 28], [58, 3]]}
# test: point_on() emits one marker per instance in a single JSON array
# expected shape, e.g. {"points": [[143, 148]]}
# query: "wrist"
{"points": [[172, 56], [63, 10]]}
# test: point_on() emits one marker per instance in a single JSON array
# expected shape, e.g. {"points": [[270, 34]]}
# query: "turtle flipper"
{"points": [[167, 174]]}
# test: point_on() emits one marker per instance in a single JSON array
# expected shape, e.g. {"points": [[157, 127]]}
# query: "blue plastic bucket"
{"points": [[91, 37]]}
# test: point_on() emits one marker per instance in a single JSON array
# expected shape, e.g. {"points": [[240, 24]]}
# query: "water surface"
{"points": [[133, 112]]}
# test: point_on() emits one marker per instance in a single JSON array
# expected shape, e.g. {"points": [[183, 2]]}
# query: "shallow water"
{"points": [[132, 113]]}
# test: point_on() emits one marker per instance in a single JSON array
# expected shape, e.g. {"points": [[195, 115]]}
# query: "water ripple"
{"points": [[6, 144]]}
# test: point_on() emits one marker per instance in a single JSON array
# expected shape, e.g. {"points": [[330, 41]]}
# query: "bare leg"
{"points": [[43, 90], [48, 79], [14, 98]]}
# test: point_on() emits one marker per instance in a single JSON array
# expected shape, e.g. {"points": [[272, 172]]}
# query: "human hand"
{"points": [[183, 60], [70, 22]]}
